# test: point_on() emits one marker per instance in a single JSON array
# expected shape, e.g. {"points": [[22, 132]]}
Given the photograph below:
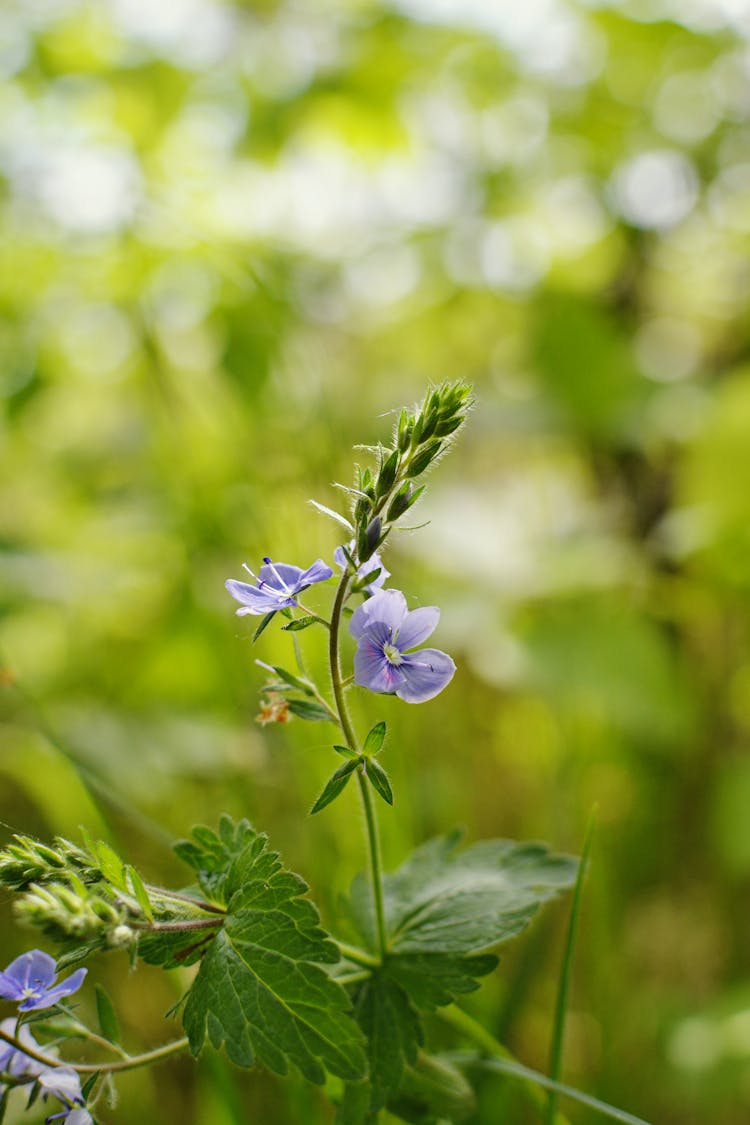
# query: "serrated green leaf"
{"points": [[140, 892], [300, 623], [434, 979], [106, 1015], [212, 855], [394, 1034], [375, 739], [379, 780], [445, 909], [266, 621], [336, 784], [310, 710], [260, 991], [442, 900], [346, 752]]}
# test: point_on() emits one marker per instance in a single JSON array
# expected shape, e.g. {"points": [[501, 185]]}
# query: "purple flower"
{"points": [[29, 980], [12, 1060], [276, 586], [63, 1083], [71, 1117], [373, 563], [387, 633]]}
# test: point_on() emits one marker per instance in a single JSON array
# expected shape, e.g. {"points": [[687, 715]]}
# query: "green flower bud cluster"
{"points": [[27, 861], [419, 438], [65, 912], [72, 895]]}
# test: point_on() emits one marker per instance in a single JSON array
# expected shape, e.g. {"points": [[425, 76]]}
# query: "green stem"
{"points": [[358, 956], [177, 927], [129, 1063], [105, 1043], [486, 1041], [351, 738], [376, 868], [208, 907]]}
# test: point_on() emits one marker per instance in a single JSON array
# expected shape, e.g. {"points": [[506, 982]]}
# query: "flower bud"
{"points": [[423, 458], [387, 474], [368, 539], [399, 503]]}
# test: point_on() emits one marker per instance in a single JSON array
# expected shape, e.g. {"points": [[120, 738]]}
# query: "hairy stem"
{"points": [[351, 738], [208, 907], [186, 924], [129, 1063]]}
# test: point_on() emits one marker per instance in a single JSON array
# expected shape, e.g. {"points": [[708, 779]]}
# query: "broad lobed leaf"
{"points": [[394, 1034], [442, 900], [260, 991]]}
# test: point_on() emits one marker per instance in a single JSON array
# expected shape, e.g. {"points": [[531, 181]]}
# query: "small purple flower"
{"points": [[276, 586], [30, 981], [387, 632], [14, 1061], [71, 1117], [63, 1083], [373, 563]]}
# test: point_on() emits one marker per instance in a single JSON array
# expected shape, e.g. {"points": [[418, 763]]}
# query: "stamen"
{"points": [[279, 579]]}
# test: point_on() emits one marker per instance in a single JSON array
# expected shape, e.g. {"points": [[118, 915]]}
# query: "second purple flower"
{"points": [[387, 633]]}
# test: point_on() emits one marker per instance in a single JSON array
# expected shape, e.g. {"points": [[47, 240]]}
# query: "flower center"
{"points": [[392, 654]]}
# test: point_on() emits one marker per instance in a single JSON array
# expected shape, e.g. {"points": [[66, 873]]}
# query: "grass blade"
{"points": [[558, 1029], [518, 1070]]}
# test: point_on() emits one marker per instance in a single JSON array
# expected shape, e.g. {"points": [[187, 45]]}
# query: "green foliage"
{"points": [[444, 910], [260, 989], [373, 743], [378, 778], [445, 901], [393, 1032], [336, 784]]}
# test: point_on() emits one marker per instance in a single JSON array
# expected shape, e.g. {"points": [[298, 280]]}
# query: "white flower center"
{"points": [[392, 654]]}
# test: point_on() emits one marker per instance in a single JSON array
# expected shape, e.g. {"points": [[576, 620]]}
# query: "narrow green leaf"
{"points": [[335, 785], [140, 892], [89, 1084], [111, 866], [300, 623], [289, 678], [266, 621], [366, 579], [333, 515], [309, 710], [526, 1074], [375, 739], [106, 1014], [379, 780], [88, 841], [346, 752], [556, 1046], [77, 885]]}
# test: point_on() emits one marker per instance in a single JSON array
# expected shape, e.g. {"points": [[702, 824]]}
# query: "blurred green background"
{"points": [[235, 237]]}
